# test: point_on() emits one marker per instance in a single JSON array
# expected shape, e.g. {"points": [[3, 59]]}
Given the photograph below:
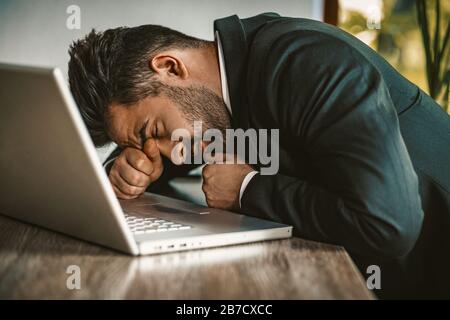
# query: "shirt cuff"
{"points": [[244, 184], [106, 164]]}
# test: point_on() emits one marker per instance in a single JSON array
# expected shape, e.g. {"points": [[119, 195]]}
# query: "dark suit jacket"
{"points": [[364, 153]]}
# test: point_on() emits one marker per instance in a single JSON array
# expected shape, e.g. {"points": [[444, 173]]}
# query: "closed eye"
{"points": [[155, 130], [142, 134]]}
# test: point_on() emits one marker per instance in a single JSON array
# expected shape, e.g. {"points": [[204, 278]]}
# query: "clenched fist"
{"points": [[222, 184], [134, 170]]}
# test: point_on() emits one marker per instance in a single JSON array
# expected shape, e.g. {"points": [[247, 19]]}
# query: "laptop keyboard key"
{"points": [[141, 225]]}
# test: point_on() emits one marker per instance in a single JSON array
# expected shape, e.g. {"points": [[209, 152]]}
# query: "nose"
{"points": [[178, 151]]}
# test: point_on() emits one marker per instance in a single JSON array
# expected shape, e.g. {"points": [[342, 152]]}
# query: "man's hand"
{"points": [[222, 184], [134, 169]]}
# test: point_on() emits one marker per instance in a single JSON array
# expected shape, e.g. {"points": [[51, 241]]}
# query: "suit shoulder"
{"points": [[316, 43], [306, 48], [276, 28]]}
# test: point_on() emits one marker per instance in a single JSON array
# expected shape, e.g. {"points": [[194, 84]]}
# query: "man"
{"points": [[364, 159]]}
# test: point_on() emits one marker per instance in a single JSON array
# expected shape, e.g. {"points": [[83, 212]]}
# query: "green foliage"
{"points": [[436, 46], [406, 27]]}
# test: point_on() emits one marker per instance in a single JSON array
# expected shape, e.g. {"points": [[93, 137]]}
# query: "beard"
{"points": [[198, 103]]}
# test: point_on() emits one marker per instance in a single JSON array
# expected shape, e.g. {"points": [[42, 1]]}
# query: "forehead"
{"points": [[123, 122], [120, 122]]}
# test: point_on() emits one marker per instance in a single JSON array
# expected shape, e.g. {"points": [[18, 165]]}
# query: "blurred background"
{"points": [[412, 35]]}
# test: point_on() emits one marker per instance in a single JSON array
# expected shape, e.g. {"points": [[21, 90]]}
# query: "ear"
{"points": [[169, 66]]}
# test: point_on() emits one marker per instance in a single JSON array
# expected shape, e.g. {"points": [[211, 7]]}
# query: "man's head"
{"points": [[132, 84]]}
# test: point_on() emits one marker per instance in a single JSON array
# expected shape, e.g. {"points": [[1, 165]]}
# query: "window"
{"points": [[390, 27]]}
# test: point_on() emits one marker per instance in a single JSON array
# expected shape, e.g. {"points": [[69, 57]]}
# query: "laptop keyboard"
{"points": [[144, 225]]}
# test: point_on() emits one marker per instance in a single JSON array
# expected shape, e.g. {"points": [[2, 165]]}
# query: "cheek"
{"points": [[165, 147], [117, 124], [176, 120], [115, 135]]}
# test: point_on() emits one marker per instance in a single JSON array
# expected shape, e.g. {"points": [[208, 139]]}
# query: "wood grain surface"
{"points": [[33, 264]]}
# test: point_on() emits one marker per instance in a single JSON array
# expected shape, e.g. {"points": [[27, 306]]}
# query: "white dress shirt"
{"points": [[226, 99]]}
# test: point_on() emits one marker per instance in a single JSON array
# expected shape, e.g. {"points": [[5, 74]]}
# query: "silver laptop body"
{"points": [[50, 175]]}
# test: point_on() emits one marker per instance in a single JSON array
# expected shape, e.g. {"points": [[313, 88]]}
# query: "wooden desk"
{"points": [[33, 264]]}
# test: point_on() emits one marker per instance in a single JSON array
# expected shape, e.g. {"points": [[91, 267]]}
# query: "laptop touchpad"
{"points": [[177, 209]]}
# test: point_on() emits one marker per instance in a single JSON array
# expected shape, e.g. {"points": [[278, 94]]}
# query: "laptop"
{"points": [[51, 176]]}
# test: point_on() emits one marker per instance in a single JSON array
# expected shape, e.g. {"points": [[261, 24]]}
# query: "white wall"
{"points": [[35, 33]]}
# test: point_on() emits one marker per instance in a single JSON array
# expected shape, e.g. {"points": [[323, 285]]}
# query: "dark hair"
{"points": [[113, 67]]}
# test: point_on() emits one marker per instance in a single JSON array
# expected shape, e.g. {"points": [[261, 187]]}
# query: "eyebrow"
{"points": [[142, 136]]}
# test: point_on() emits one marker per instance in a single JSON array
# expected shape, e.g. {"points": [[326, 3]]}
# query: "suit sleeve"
{"points": [[363, 191]]}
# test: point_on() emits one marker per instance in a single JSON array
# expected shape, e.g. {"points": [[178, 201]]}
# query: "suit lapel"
{"points": [[235, 49], [235, 35]]}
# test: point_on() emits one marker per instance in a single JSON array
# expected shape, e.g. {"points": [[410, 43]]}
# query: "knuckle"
{"points": [[212, 203], [144, 180], [111, 175], [127, 189], [132, 190], [129, 150], [206, 187], [120, 196], [206, 172], [116, 163], [138, 191], [125, 153], [119, 193], [157, 171], [150, 168], [135, 177], [132, 153], [120, 162], [139, 163]]}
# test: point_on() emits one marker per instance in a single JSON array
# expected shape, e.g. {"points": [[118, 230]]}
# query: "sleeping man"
{"points": [[359, 156]]}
